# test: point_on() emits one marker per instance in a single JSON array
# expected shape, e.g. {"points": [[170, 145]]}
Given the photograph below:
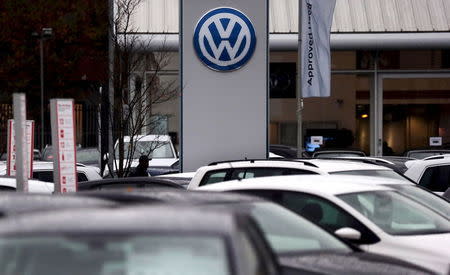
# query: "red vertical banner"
{"points": [[64, 144]]}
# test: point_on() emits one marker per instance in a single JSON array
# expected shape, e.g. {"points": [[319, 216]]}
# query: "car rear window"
{"points": [[125, 255]]}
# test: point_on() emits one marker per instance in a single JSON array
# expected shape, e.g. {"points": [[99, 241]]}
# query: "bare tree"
{"points": [[137, 88]]}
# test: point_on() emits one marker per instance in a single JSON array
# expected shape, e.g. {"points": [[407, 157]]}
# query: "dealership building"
{"points": [[390, 72]]}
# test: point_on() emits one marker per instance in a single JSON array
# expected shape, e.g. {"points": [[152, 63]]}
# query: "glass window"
{"points": [[214, 177], [436, 178], [319, 211], [372, 173], [397, 214], [88, 156], [427, 198], [102, 255], [46, 176], [296, 234], [246, 173]]}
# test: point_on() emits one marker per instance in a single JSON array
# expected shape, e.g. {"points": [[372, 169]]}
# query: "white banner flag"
{"points": [[316, 19]]}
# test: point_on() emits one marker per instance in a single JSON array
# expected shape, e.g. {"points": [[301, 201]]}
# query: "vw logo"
{"points": [[224, 39]]}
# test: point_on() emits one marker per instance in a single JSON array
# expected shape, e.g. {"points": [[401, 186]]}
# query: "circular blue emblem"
{"points": [[224, 39]]}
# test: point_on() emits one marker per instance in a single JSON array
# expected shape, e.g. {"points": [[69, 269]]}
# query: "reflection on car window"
{"points": [[317, 210], [437, 178], [397, 214], [100, 255]]}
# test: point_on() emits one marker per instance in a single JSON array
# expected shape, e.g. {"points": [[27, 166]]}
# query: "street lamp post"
{"points": [[46, 33]]}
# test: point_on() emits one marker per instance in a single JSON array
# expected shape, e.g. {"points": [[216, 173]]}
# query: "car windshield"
{"points": [[88, 155], [432, 201], [125, 255], [153, 149], [286, 232], [397, 214], [372, 173]]}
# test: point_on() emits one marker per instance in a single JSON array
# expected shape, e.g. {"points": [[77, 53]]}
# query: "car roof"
{"points": [[137, 219], [147, 138], [87, 185], [336, 165], [316, 184], [284, 163], [18, 203], [173, 196], [438, 159]]}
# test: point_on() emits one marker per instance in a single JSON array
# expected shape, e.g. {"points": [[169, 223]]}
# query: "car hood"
{"points": [[431, 251], [349, 263]]}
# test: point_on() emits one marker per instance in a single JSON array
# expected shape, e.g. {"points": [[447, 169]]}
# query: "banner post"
{"points": [[20, 142], [63, 141], [314, 56], [11, 148]]}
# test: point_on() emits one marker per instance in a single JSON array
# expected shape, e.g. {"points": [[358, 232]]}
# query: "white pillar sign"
{"points": [[224, 81], [11, 148], [63, 141]]}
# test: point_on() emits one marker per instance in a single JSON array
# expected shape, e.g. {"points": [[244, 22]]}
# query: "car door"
{"points": [[318, 210]]}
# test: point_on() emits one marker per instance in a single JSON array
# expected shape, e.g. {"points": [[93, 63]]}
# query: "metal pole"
{"points": [[41, 46], [111, 50], [299, 84]]}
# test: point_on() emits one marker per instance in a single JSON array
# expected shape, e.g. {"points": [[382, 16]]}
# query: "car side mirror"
{"points": [[447, 194], [348, 233]]}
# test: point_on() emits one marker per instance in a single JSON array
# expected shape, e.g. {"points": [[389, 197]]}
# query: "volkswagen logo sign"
{"points": [[224, 39]]}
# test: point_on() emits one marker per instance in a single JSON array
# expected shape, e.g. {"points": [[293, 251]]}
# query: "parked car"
{"points": [[160, 239], [330, 153], [432, 173], [158, 148], [43, 171], [378, 218], [128, 184], [286, 151], [241, 169], [301, 246], [34, 186], [424, 153]]}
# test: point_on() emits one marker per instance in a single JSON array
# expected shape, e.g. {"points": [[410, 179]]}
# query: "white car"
{"points": [[34, 186], [432, 173], [378, 218], [43, 171], [232, 170], [159, 148]]}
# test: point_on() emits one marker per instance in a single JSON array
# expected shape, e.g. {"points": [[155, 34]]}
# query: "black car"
{"points": [[296, 241], [426, 152], [135, 240], [128, 184], [332, 153]]}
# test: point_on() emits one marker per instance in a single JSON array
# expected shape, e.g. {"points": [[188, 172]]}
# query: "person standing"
{"points": [[141, 169]]}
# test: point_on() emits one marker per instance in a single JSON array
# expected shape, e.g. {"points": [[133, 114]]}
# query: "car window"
{"points": [[46, 176], [436, 178], [319, 211], [214, 177], [81, 177], [397, 214], [247, 173], [101, 255], [425, 197]]}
